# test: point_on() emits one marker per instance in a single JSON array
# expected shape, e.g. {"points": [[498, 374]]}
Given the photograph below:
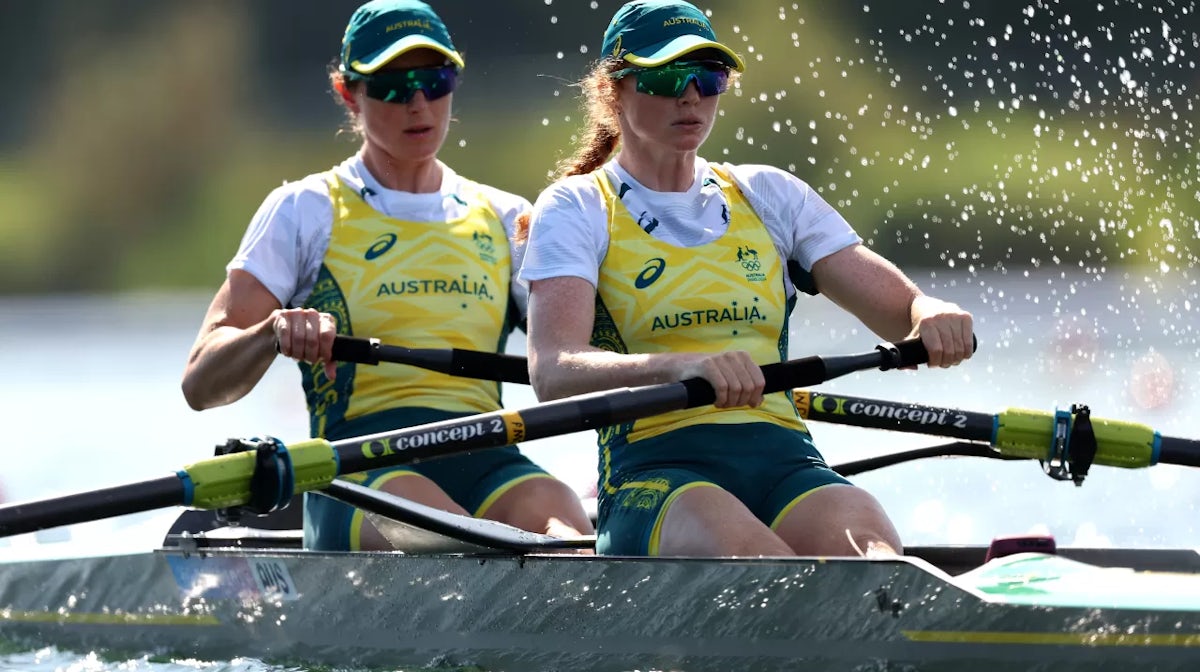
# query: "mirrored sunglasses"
{"points": [[672, 79], [399, 86]]}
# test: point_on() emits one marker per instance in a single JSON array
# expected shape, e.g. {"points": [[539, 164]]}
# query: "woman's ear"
{"points": [[614, 96], [347, 97]]}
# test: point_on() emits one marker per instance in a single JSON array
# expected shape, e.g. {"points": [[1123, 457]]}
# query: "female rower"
{"points": [[392, 244], [657, 266]]}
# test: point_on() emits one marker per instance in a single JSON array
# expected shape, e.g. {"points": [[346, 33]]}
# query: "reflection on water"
{"points": [[93, 400], [49, 658]]}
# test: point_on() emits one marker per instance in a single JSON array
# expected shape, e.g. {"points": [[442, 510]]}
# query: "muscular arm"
{"points": [[563, 363], [869, 287], [236, 344], [876, 292]]}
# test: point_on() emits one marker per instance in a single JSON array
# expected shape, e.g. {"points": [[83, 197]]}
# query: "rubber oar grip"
{"points": [[812, 370], [513, 369], [450, 361], [356, 350], [912, 352]]}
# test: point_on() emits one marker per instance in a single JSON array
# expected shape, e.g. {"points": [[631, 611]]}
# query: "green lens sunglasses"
{"points": [[711, 78], [399, 86]]}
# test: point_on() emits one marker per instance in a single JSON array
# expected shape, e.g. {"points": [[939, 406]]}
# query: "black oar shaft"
{"points": [[95, 505], [844, 409], [452, 361], [956, 449], [470, 530], [580, 413], [1184, 452], [513, 369], [500, 428]]}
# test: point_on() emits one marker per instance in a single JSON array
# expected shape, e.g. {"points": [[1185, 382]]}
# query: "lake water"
{"points": [[91, 398]]}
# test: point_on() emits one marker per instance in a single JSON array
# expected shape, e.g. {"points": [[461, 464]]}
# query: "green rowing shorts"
{"points": [[767, 467], [473, 480]]}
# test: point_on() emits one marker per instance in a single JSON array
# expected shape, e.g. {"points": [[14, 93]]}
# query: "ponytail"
{"points": [[601, 133]]}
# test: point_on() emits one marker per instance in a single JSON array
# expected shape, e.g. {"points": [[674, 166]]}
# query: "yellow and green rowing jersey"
{"points": [[728, 294], [441, 284]]}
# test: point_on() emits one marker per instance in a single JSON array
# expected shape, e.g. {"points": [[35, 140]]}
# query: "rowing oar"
{"points": [[1059, 439], [1067, 442], [263, 475]]}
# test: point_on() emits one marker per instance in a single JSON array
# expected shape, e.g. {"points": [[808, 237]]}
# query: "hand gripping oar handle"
{"points": [[452, 361], [811, 370], [225, 481], [596, 410], [513, 369]]}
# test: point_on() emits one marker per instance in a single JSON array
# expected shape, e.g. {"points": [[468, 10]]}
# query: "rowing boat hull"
{"points": [[549, 612]]}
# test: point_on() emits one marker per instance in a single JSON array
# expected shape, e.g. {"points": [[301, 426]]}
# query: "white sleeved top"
{"points": [[569, 229], [286, 241]]}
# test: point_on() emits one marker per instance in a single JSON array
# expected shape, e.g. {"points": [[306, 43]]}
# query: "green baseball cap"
{"points": [[383, 29], [652, 32]]}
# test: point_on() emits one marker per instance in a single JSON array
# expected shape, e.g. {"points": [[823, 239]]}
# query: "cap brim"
{"points": [[408, 43], [684, 44]]}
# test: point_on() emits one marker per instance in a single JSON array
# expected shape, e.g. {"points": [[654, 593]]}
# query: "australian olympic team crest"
{"points": [[486, 246], [747, 257]]}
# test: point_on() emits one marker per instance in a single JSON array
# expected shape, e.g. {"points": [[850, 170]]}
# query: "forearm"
{"points": [[567, 373], [226, 363], [899, 308], [890, 319]]}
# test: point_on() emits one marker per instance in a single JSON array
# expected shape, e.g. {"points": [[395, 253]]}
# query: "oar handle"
{"points": [[811, 370], [514, 369], [594, 411], [451, 361]]}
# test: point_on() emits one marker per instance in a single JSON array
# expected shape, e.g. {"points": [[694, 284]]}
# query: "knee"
{"points": [[549, 493], [868, 529], [840, 520], [534, 504]]}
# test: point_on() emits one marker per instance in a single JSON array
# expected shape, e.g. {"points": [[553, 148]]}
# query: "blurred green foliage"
{"points": [[985, 136]]}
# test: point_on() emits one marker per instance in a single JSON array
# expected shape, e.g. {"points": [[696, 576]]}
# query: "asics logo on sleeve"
{"points": [[654, 268]]}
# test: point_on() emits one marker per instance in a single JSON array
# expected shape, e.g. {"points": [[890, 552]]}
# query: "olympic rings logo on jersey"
{"points": [[748, 258]]}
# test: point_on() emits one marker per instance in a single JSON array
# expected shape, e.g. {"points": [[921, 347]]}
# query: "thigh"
{"points": [[795, 479], [710, 521], [678, 512], [479, 479], [330, 525], [838, 520]]}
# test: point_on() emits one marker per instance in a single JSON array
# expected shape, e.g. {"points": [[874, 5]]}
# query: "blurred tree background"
{"points": [[138, 137]]}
